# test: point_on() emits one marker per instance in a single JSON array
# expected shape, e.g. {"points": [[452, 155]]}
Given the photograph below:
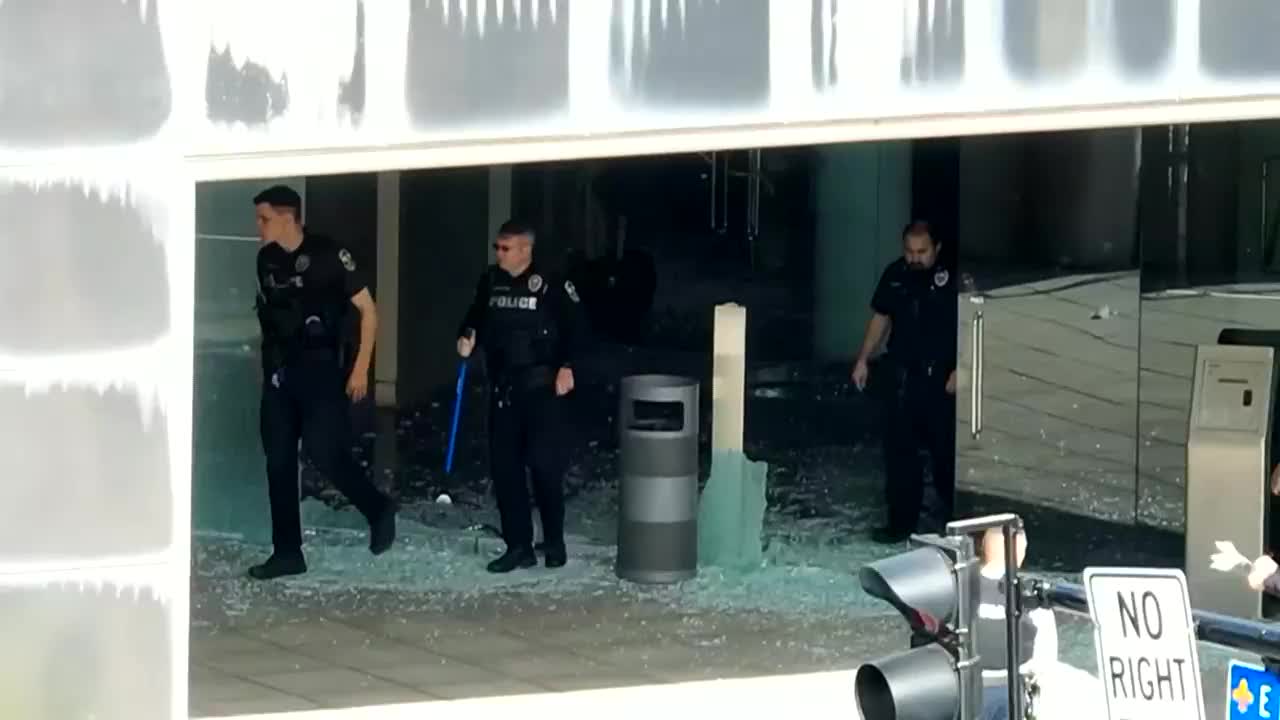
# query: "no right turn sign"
{"points": [[1146, 643]]}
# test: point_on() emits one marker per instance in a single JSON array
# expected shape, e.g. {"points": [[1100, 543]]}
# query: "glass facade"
{"points": [[1090, 265], [100, 147], [228, 472], [1128, 248]]}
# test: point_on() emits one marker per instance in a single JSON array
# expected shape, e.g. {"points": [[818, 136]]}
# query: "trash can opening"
{"points": [[650, 416]]}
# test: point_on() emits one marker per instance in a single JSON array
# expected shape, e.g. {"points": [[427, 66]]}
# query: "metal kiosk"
{"points": [[1228, 465]]}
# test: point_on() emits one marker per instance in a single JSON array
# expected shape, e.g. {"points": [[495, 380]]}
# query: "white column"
{"points": [[499, 201], [388, 242], [729, 377]]}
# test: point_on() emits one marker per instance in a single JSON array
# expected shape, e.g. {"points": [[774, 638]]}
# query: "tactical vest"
{"points": [[521, 329], [991, 627], [297, 309]]}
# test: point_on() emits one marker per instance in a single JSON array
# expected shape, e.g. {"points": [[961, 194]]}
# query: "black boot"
{"points": [[279, 565], [556, 555], [514, 557], [382, 531]]}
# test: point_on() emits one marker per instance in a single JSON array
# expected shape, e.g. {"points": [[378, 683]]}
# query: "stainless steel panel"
{"points": [[84, 264], [87, 474], [1237, 38], [76, 72], [692, 53], [85, 650], [659, 499], [500, 63]]}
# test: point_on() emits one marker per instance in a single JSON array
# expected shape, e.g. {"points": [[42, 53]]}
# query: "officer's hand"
{"points": [[358, 384], [951, 383], [1263, 568], [467, 344], [860, 373], [1275, 480], [564, 381]]}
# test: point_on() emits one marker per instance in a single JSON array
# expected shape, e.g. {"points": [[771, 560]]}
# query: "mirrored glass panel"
{"points": [[1210, 213], [1048, 356], [228, 475]]}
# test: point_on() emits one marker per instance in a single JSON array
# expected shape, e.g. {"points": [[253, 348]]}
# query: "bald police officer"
{"points": [[531, 327], [915, 304], [306, 283]]}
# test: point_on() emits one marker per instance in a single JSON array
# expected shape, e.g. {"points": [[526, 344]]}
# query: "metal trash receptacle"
{"points": [[658, 498]]}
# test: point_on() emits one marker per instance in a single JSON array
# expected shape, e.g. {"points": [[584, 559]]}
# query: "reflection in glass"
{"points": [[1209, 263], [228, 472], [1047, 398]]}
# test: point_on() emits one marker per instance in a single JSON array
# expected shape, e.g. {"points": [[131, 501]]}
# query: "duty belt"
{"points": [[920, 369], [526, 378]]}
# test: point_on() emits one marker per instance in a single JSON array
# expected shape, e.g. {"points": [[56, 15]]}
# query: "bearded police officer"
{"points": [[531, 328], [306, 284], [915, 304]]}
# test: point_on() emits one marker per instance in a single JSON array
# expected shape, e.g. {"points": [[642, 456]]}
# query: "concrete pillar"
{"points": [[729, 377], [1085, 187], [446, 240], [863, 201], [499, 201], [388, 269], [995, 200]]}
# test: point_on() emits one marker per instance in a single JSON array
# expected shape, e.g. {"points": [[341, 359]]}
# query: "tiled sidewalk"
{"points": [[469, 651]]}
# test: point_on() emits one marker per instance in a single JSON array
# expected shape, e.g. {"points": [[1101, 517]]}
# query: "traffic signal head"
{"points": [[920, 684], [920, 584], [928, 585]]}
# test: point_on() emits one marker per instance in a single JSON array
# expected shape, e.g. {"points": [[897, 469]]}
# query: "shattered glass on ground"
{"points": [[800, 610]]}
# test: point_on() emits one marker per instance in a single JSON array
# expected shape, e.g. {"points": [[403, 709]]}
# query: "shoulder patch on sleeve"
{"points": [[571, 291], [348, 262]]}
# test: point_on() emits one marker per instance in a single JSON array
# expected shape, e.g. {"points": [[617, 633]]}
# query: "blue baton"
{"points": [[457, 412]]}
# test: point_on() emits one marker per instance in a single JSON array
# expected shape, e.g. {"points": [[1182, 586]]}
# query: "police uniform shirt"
{"points": [[313, 284], [526, 321], [921, 304]]}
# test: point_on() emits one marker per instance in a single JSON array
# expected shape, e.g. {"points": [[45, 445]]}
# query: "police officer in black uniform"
{"points": [[306, 284], [531, 328], [915, 303]]}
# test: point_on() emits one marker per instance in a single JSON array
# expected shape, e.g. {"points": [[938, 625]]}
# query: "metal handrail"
{"points": [[1255, 636]]}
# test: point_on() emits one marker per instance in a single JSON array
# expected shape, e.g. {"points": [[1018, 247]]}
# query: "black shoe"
{"points": [[382, 532], [556, 555], [889, 536], [519, 557], [279, 565]]}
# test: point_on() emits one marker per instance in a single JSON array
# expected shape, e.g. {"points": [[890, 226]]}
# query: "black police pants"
{"points": [[920, 414], [526, 431], [307, 400]]}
